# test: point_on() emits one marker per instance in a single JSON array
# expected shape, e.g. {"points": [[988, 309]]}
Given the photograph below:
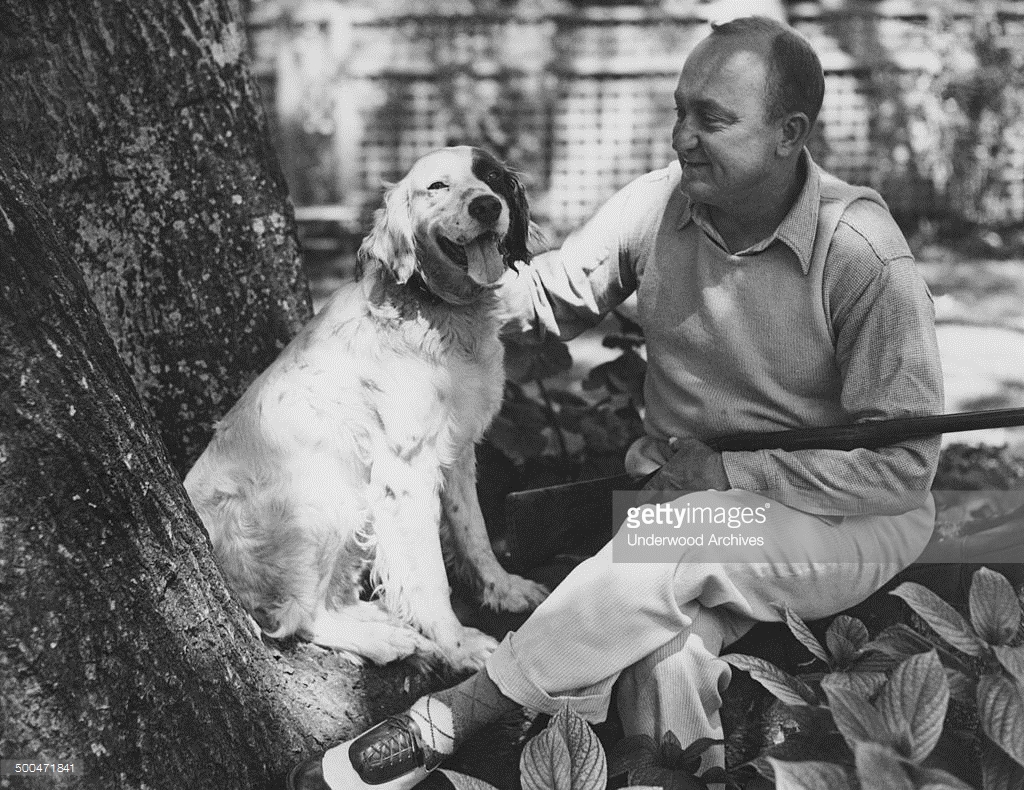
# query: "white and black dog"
{"points": [[354, 450]]}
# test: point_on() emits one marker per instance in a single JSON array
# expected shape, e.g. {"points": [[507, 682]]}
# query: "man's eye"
{"points": [[438, 185]]}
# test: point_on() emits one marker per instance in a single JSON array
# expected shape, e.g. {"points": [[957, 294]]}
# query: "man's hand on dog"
{"points": [[693, 467]]}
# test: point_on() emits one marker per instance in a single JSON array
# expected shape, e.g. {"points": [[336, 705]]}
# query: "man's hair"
{"points": [[796, 82]]}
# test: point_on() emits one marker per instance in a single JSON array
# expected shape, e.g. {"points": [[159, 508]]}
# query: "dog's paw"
{"points": [[396, 642], [514, 594], [471, 649]]}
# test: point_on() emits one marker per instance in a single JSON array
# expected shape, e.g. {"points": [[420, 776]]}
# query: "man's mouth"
{"points": [[480, 257]]}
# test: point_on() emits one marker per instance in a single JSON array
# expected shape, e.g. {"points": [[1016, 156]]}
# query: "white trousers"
{"points": [[658, 628]]}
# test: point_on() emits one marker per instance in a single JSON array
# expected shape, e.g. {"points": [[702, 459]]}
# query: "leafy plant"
{"points": [[567, 755], [891, 723], [648, 763], [544, 422]]}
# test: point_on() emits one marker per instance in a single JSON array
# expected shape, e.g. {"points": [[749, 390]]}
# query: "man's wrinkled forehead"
{"points": [[721, 60]]}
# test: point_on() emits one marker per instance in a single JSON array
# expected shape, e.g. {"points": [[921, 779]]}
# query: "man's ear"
{"points": [[392, 240], [794, 131]]}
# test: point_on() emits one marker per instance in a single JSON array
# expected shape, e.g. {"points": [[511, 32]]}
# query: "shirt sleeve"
{"points": [[884, 328], [566, 291]]}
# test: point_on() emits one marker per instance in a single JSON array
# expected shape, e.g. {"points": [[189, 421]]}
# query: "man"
{"points": [[772, 296]]}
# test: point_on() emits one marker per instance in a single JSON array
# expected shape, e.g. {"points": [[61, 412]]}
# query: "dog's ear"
{"points": [[516, 245], [392, 240]]}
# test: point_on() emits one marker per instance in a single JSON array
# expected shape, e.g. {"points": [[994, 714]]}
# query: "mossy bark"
{"points": [[140, 126], [120, 647], [148, 271]]}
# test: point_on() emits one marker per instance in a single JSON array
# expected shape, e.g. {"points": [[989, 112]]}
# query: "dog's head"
{"points": [[457, 219]]}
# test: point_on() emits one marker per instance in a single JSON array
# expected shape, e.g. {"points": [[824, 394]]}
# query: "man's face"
{"points": [[726, 146]]}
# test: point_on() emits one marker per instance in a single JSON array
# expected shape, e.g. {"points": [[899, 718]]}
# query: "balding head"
{"points": [[795, 81]]}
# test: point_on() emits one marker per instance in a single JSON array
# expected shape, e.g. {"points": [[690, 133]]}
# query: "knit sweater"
{"points": [[825, 322]]}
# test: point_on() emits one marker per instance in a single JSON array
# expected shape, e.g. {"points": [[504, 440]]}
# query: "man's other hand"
{"points": [[694, 467]]}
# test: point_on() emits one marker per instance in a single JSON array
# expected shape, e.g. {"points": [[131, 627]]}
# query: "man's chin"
{"points": [[697, 191]]}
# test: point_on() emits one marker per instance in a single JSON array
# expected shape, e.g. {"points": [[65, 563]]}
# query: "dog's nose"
{"points": [[485, 208]]}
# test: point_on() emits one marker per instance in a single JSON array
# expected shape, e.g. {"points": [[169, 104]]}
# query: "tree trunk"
{"points": [[120, 648], [140, 127]]}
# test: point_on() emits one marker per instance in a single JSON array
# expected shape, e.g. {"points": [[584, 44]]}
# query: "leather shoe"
{"points": [[307, 775], [390, 750]]}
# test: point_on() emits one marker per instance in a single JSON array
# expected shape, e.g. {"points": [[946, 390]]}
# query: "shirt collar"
{"points": [[797, 228]]}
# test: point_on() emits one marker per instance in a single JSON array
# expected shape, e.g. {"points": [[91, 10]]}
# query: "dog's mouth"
{"points": [[481, 257]]}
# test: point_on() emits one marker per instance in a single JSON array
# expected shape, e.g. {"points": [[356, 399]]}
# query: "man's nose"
{"points": [[684, 135]]}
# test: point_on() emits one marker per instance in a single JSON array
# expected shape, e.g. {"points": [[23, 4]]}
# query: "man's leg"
{"points": [[678, 688], [607, 616]]}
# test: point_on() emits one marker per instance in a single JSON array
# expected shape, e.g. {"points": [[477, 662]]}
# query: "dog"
{"points": [[352, 454]]}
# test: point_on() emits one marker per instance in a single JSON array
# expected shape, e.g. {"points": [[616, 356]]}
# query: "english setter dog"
{"points": [[353, 451]]}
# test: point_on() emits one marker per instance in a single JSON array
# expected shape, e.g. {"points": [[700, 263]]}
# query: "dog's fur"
{"points": [[354, 450]]}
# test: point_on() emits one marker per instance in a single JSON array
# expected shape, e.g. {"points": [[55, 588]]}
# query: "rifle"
{"points": [[576, 517]]}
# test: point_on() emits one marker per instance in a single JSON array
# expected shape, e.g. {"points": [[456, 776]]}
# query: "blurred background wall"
{"points": [[924, 100]]}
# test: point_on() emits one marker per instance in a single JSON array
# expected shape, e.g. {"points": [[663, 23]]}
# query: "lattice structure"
{"points": [[581, 100]]}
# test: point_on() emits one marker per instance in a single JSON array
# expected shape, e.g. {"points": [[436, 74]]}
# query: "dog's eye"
{"points": [[438, 185], [493, 176]]}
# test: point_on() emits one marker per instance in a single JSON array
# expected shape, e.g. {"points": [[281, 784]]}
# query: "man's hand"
{"points": [[694, 467]]}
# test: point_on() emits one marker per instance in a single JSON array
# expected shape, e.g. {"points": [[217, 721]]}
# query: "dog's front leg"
{"points": [[409, 563], [476, 562]]}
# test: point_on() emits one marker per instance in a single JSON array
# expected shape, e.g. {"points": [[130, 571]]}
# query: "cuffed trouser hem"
{"points": [[504, 669]]}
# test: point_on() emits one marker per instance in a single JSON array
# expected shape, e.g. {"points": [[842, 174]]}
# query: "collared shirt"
{"points": [[818, 324]]}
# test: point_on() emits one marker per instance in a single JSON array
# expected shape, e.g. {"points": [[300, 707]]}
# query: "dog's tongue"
{"points": [[485, 263]]}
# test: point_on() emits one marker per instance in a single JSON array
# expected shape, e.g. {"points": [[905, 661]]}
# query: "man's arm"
{"points": [[569, 290], [888, 358]]}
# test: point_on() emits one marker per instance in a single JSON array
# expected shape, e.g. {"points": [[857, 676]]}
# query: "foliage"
{"points": [[888, 697], [946, 128], [543, 422], [567, 755]]}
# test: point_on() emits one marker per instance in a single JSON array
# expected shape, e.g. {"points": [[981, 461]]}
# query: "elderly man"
{"points": [[772, 296]]}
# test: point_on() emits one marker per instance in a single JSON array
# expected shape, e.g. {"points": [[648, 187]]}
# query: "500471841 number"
{"points": [[37, 767]]}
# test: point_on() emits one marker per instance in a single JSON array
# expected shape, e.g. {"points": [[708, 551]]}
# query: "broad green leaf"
{"points": [[916, 698], [1012, 660], [856, 718], [670, 750], [995, 612], [803, 633], [1001, 710], [465, 782], [863, 684], [623, 374], [879, 768], [530, 361], [698, 747], [809, 776], [565, 756], [872, 661], [947, 621], [787, 688], [842, 649], [998, 770], [899, 641], [961, 686], [636, 751], [935, 779], [850, 628]]}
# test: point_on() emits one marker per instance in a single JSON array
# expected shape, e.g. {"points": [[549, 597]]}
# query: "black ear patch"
{"points": [[506, 183]]}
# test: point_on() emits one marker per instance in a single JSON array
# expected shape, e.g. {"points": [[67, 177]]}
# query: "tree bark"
{"points": [[141, 129], [119, 645]]}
